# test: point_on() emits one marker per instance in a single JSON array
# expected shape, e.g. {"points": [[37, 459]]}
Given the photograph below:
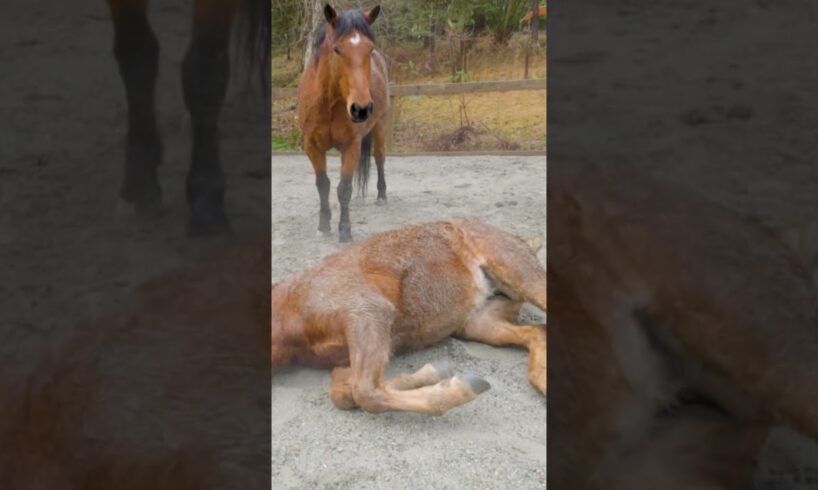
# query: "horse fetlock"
{"points": [[324, 218], [456, 391]]}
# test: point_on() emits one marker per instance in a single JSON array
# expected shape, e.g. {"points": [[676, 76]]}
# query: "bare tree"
{"points": [[433, 45], [315, 15], [535, 24]]}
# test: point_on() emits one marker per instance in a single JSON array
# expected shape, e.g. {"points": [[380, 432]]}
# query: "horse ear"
{"points": [[330, 14], [372, 14]]}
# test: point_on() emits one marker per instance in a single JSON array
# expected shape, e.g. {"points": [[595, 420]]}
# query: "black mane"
{"points": [[345, 23]]}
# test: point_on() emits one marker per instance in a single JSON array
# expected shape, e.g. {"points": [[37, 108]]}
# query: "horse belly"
{"points": [[413, 333]]}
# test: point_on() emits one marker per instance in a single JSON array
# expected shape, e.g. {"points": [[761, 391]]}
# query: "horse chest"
{"points": [[342, 132]]}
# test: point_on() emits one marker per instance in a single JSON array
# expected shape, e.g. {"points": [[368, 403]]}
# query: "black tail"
{"points": [[362, 172], [255, 43]]}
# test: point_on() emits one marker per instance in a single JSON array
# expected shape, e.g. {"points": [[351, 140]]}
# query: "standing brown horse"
{"points": [[205, 71], [343, 97]]}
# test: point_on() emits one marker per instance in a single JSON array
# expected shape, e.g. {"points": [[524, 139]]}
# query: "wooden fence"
{"points": [[443, 89]]}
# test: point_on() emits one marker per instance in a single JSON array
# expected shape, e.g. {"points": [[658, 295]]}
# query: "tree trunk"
{"points": [[462, 56], [433, 46], [315, 14], [535, 24]]}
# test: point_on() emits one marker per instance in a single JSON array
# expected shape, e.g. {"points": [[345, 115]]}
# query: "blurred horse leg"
{"points": [[137, 52], [205, 73]]}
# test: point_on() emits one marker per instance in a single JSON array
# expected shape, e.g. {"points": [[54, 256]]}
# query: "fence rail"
{"points": [[456, 153], [444, 88], [436, 89]]}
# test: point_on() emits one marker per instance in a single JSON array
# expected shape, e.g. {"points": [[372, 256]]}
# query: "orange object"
{"points": [[528, 15]]}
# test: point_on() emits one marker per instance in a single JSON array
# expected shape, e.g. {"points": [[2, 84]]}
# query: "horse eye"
{"points": [[337, 51]]}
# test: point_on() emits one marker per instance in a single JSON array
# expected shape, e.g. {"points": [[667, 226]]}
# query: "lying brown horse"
{"points": [[342, 103], [169, 390], [205, 72], [402, 290], [680, 332]]}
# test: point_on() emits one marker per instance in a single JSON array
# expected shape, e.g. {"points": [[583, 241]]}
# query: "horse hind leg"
{"points": [[137, 53], [493, 325], [205, 74]]}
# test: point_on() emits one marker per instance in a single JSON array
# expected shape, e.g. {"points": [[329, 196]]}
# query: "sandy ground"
{"points": [[496, 441]]}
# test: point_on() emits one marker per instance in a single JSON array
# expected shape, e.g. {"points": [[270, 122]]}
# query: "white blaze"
{"points": [[355, 39]]}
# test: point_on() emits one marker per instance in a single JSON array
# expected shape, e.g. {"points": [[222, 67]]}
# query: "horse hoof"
{"points": [[323, 233], [344, 235], [475, 383], [381, 201], [444, 369]]}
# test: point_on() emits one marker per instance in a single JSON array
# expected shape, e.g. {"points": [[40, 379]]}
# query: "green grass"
{"points": [[282, 143]]}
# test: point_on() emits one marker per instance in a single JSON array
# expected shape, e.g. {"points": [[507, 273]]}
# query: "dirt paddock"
{"points": [[496, 441]]}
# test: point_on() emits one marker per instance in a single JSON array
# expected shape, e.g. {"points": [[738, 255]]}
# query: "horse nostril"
{"points": [[359, 113]]}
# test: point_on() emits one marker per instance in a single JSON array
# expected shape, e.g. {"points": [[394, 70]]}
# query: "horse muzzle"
{"points": [[360, 114]]}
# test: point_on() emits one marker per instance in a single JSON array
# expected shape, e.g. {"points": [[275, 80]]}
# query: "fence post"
{"points": [[391, 118]]}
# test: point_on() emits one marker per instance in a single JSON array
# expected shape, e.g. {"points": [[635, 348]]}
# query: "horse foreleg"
{"points": [[349, 162], [369, 343], [137, 53], [318, 159], [205, 73], [379, 144], [493, 325], [429, 374]]}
